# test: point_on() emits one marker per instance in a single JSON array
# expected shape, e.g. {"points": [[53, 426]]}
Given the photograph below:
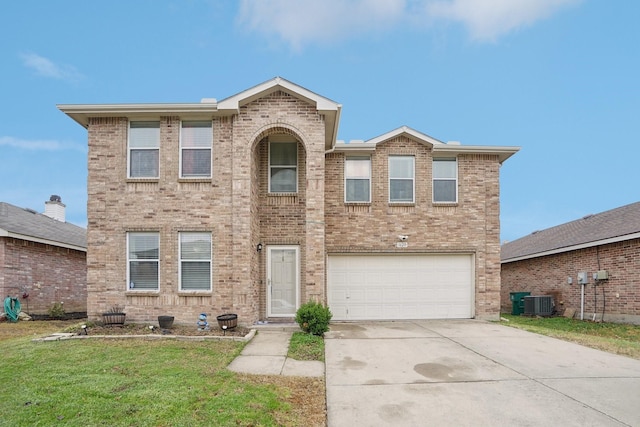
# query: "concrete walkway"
{"points": [[266, 354]]}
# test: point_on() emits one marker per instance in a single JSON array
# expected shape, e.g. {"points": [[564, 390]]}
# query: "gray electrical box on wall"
{"points": [[602, 275], [582, 278]]}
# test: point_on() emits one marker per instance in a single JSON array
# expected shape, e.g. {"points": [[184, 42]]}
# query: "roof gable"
{"points": [[29, 225], [611, 226], [438, 147]]}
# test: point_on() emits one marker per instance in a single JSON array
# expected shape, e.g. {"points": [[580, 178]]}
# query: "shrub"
{"points": [[57, 310], [313, 318]]}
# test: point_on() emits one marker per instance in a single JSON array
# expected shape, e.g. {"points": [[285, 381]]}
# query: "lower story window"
{"points": [[195, 261], [143, 259]]}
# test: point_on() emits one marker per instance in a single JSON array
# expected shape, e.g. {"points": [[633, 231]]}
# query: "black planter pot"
{"points": [[113, 318], [227, 321], [165, 322]]}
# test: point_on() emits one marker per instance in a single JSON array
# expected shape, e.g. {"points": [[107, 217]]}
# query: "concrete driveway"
{"points": [[472, 373]]}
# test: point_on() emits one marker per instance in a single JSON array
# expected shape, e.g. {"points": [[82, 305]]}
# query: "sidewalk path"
{"points": [[266, 354]]}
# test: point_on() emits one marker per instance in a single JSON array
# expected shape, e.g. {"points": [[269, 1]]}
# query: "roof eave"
{"points": [[503, 153], [555, 251], [81, 113], [6, 233]]}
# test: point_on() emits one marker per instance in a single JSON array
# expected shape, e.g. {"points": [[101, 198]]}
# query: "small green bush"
{"points": [[313, 318], [57, 310]]}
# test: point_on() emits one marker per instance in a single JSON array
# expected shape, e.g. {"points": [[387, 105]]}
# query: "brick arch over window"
{"points": [[276, 129]]}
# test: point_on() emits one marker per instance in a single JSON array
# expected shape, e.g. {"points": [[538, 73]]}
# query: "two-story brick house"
{"points": [[250, 205]]}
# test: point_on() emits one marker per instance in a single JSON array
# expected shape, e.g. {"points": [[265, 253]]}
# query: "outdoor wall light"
{"points": [[259, 247]]}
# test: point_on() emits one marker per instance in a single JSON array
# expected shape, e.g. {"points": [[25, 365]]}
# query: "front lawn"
{"points": [[615, 338], [143, 383]]}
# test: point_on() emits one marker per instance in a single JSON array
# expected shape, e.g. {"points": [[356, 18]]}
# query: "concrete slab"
{"points": [[303, 368], [258, 365], [470, 373], [268, 343]]}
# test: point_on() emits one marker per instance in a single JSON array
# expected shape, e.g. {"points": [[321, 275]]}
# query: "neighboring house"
{"points": [[549, 262], [249, 205], [44, 257]]}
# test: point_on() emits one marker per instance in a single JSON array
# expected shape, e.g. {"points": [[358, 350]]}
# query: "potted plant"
{"points": [[165, 322], [114, 316]]}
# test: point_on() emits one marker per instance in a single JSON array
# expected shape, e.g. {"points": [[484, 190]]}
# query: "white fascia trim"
{"points": [[405, 130], [5, 233], [574, 247], [503, 153], [344, 147], [82, 112], [322, 104]]}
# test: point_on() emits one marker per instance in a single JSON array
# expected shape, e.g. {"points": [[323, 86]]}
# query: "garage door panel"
{"points": [[394, 287]]}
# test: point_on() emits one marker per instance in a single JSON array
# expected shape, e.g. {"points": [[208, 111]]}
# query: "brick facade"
{"points": [[469, 226], [618, 297], [49, 274], [236, 207]]}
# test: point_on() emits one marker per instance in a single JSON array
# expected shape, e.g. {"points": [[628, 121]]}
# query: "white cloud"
{"points": [[47, 68], [39, 144], [486, 20], [303, 22]]}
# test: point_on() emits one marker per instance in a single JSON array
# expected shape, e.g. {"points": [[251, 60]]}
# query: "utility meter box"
{"points": [[602, 275], [583, 279]]}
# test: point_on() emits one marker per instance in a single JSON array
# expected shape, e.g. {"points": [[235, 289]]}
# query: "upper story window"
{"points": [[195, 261], [143, 259], [401, 179], [144, 149], [283, 167], [195, 149], [445, 180], [357, 179]]}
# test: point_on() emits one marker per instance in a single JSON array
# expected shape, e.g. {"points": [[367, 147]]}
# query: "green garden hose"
{"points": [[12, 308]]}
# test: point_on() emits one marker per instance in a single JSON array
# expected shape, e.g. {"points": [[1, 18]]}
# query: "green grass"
{"points": [[304, 346], [133, 383], [616, 338]]}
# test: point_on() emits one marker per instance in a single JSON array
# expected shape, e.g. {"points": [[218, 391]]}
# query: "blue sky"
{"points": [[559, 78]]}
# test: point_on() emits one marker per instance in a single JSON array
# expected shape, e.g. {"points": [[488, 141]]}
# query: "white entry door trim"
{"points": [[283, 281]]}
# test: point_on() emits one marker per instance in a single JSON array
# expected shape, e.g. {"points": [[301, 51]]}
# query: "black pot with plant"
{"points": [[114, 316]]}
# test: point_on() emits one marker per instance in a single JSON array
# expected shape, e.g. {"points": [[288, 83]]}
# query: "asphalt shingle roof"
{"points": [[29, 223], [614, 223]]}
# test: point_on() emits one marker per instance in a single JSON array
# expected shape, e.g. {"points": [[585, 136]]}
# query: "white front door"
{"points": [[282, 281]]}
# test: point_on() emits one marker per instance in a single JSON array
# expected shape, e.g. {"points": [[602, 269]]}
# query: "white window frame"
{"points": [[357, 178], [188, 260], [209, 147], [130, 283], [412, 179], [437, 178], [272, 166], [153, 148]]}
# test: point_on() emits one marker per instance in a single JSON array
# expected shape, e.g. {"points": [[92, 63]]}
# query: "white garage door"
{"points": [[387, 287]]}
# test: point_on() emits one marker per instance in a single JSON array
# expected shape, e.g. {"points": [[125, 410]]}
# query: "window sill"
{"points": [[357, 203], [143, 180], [185, 179], [282, 194], [143, 293], [409, 204], [445, 204], [194, 293]]}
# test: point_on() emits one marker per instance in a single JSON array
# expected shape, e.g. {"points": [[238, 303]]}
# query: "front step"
{"points": [[276, 326]]}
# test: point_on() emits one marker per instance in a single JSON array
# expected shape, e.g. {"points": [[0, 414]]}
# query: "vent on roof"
{"points": [[535, 232], [587, 216], [30, 210]]}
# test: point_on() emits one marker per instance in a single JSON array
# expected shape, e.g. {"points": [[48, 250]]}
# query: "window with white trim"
{"points": [[357, 179], [195, 261], [195, 149], [445, 180], [143, 260], [283, 167], [401, 179], [144, 149]]}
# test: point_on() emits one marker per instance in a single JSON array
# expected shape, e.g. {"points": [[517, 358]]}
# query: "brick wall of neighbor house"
{"points": [[47, 273], [619, 296], [230, 206], [470, 226]]}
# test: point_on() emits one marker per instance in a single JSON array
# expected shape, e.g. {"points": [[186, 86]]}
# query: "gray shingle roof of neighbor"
{"points": [[618, 224], [30, 225]]}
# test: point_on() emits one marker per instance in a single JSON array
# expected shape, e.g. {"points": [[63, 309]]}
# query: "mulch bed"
{"points": [[145, 329]]}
